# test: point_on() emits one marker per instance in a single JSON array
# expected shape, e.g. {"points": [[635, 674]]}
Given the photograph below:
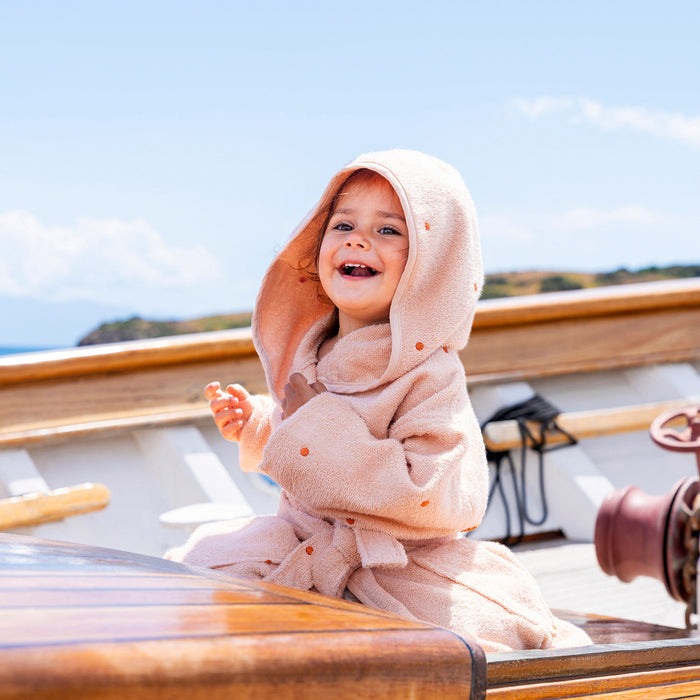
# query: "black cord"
{"points": [[533, 410]]}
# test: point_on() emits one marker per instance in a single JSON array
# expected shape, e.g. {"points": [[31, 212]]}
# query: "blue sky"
{"points": [[154, 155]]}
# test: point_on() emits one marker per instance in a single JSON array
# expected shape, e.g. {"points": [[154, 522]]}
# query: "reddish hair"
{"points": [[308, 262]]}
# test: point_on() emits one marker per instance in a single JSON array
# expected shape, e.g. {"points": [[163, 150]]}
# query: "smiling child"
{"points": [[368, 428]]}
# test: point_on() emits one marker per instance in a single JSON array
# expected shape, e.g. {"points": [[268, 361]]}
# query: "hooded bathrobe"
{"points": [[382, 473]]}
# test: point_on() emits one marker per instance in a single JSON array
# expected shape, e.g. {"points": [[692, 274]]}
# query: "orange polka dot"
{"points": [[309, 550], [469, 529], [268, 561], [425, 503], [444, 347], [350, 521], [419, 346], [476, 286], [304, 451], [427, 226]]}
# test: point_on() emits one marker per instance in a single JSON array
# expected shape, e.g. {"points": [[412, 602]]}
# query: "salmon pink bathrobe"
{"points": [[382, 473]]}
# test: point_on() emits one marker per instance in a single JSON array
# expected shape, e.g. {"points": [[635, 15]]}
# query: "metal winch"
{"points": [[641, 535]]}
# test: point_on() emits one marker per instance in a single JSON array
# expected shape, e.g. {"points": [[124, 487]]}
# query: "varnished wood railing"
{"points": [[85, 622], [34, 508], [78, 621], [583, 331], [118, 386], [501, 436]]}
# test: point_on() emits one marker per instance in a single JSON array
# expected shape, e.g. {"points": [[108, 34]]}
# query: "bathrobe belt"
{"points": [[329, 552]]}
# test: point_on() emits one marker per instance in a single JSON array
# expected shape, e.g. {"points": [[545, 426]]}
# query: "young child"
{"points": [[368, 428]]}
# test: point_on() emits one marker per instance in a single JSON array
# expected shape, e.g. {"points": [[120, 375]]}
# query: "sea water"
{"points": [[16, 349]]}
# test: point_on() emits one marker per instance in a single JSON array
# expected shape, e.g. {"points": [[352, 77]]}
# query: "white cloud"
{"points": [[542, 106], [587, 238], [504, 228], [587, 218], [98, 259], [671, 125]]}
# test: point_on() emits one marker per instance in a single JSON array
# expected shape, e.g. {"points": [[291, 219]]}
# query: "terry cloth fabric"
{"points": [[382, 472]]}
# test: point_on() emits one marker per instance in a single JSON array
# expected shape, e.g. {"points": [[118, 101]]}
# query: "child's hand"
{"points": [[297, 392], [231, 408]]}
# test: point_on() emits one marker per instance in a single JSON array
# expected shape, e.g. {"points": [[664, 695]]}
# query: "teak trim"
{"points": [[121, 386], [491, 314], [501, 436]]}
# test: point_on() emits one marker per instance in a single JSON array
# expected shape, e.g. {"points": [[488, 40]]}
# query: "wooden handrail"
{"points": [[127, 355], [588, 303], [35, 508], [135, 420], [501, 436], [45, 395], [238, 343]]}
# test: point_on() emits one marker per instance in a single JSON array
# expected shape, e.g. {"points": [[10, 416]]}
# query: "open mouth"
{"points": [[357, 270]]}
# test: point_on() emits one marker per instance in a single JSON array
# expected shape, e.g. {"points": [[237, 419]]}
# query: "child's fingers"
{"points": [[212, 389], [223, 403], [231, 430], [227, 416], [229, 426], [237, 390]]}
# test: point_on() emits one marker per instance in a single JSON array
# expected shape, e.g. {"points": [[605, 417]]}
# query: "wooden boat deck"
{"points": [[78, 621], [570, 578], [86, 622]]}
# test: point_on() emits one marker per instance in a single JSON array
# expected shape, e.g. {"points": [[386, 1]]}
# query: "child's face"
{"points": [[364, 252]]}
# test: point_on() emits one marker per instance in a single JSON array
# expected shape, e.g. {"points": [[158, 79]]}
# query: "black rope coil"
{"points": [[541, 412]]}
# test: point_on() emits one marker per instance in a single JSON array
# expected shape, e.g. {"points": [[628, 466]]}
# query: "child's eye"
{"points": [[342, 226], [390, 230]]}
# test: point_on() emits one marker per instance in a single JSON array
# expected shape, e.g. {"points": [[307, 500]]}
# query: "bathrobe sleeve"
{"points": [[256, 432], [425, 477]]}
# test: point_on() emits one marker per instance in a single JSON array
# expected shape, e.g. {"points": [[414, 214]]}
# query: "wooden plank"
{"points": [[668, 684], [505, 435], [30, 596], [34, 434], [39, 626], [633, 299], [652, 665], [572, 345], [261, 640], [51, 403], [612, 630], [111, 580], [45, 396], [386, 665], [117, 357], [599, 301], [243, 639], [35, 508]]}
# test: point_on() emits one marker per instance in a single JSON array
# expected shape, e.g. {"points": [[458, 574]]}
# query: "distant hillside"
{"points": [[137, 328], [503, 284], [508, 284]]}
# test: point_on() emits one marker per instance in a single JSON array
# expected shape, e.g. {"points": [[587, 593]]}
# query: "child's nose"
{"points": [[357, 240]]}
